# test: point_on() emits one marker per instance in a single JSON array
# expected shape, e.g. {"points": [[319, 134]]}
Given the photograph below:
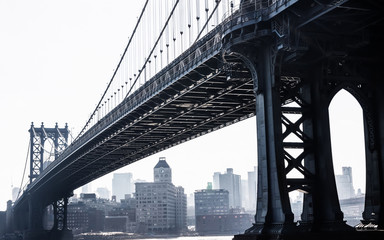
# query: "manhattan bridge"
{"points": [[192, 67]]}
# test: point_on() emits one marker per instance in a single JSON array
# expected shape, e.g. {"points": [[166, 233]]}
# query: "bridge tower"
{"points": [[297, 68], [38, 136], [36, 204]]}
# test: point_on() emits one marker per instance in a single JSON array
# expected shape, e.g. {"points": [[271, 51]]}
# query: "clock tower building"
{"points": [[161, 207], [162, 172]]}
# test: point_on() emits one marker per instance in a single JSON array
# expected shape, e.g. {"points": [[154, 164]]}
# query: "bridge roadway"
{"points": [[204, 89]]}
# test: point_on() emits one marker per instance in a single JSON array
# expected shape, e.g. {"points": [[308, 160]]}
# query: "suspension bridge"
{"points": [[192, 67]]}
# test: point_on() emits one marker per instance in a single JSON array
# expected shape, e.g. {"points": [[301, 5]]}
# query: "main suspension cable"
{"points": [[25, 167]]}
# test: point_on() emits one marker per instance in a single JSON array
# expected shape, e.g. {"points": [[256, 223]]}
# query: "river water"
{"points": [[88, 237]]}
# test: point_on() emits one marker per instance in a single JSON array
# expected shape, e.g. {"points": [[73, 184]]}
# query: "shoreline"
{"points": [[125, 236]]}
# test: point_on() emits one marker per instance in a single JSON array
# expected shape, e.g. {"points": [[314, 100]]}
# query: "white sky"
{"points": [[56, 58]]}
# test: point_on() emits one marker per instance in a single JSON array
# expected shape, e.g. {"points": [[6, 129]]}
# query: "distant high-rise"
{"points": [[103, 192], [252, 189], [15, 193], [181, 209], [232, 183], [216, 180], [161, 207], [87, 188], [122, 184], [244, 193], [344, 184]]}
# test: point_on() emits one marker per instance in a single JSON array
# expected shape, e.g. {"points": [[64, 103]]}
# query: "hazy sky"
{"points": [[56, 58]]}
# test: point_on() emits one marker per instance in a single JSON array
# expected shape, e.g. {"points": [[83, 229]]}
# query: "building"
{"points": [[252, 189], [85, 215], [181, 209], [213, 215], [156, 207], [162, 172], [244, 193], [122, 217], [103, 192], [82, 218], [2, 222], [87, 188], [232, 183], [191, 210], [211, 202], [344, 184], [15, 193], [161, 207], [122, 184], [216, 180]]}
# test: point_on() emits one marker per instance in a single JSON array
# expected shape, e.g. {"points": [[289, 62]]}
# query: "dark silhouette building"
{"points": [[213, 215]]}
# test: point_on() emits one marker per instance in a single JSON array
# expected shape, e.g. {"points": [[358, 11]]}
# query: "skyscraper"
{"points": [[181, 209], [232, 183], [15, 193], [122, 184], [216, 180], [87, 188], [344, 184], [252, 189], [103, 192]]}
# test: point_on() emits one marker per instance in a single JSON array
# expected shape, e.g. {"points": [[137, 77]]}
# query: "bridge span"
{"points": [[274, 59]]}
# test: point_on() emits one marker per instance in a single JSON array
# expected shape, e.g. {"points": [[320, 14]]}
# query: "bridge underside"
{"points": [[205, 99]]}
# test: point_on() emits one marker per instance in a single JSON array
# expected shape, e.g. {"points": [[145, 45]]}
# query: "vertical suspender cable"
{"points": [[174, 35], [189, 22], [198, 15], [161, 39], [113, 76], [157, 41], [210, 16], [167, 33], [181, 23], [206, 14]]}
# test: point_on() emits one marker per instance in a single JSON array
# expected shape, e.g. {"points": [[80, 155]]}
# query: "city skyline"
{"points": [[55, 67]]}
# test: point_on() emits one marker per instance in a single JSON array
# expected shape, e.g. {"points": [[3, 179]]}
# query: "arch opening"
{"points": [[49, 152], [348, 153]]}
